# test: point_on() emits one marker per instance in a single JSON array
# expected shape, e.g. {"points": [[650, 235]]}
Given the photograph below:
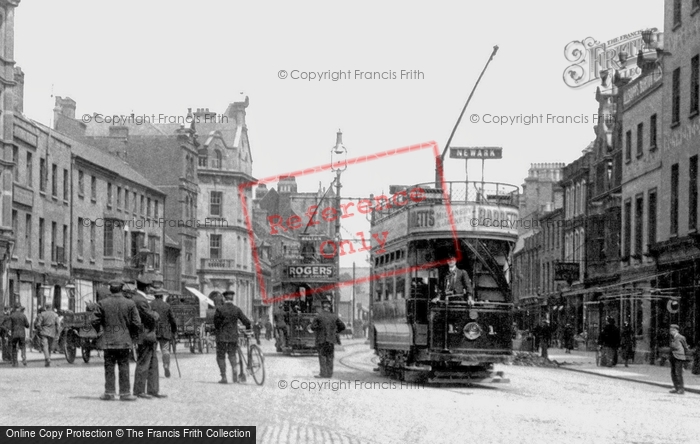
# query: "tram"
{"points": [[418, 332], [306, 279]]}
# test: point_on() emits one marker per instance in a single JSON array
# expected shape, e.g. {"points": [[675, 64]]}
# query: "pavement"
{"points": [[585, 362]]}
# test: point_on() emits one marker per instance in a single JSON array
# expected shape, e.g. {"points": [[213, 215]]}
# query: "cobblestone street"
{"points": [[357, 406]]}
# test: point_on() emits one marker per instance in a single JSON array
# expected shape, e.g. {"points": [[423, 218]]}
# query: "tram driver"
{"points": [[458, 286]]}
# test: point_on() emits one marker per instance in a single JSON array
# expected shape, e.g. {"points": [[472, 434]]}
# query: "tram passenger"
{"points": [[457, 284]]}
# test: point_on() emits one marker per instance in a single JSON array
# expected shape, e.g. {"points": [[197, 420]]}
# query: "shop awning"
{"points": [[201, 296]]}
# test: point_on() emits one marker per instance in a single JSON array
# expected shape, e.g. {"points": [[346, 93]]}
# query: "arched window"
{"points": [[216, 161], [203, 158]]}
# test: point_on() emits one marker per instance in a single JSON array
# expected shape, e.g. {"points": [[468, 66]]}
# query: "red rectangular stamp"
{"points": [[307, 225]]}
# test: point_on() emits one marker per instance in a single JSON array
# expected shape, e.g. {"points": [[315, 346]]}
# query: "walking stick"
{"points": [[177, 364]]}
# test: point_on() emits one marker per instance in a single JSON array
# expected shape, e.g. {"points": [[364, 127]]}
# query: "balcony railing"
{"points": [[218, 264]]}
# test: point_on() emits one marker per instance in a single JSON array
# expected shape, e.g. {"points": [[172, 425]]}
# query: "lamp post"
{"points": [[339, 163]]}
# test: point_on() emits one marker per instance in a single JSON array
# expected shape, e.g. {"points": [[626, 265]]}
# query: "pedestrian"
{"points": [[6, 334], [679, 354], [166, 328], [608, 343], [568, 337], [119, 320], [18, 334], [257, 328], [146, 384], [327, 325], [628, 342], [268, 330], [280, 328], [545, 333], [226, 320], [46, 325]]}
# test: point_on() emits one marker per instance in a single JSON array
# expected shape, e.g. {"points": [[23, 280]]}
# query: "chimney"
{"points": [[19, 91], [260, 191], [64, 107]]}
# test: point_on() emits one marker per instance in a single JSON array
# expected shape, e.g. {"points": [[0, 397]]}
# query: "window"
{"points": [[187, 207], [92, 241], [674, 199], [42, 175], [65, 184], [93, 188], [148, 208], [638, 225], [696, 4], [652, 132], [81, 237], [29, 177], [126, 200], [640, 140], [15, 161], [126, 245], [54, 232], [676, 97], [41, 238], [119, 198], [28, 235], [143, 205], [135, 203], [81, 183], [676, 13], [628, 229], [628, 146], [109, 195], [651, 217], [109, 239], [693, 193], [54, 180], [203, 158], [215, 203], [216, 161], [695, 85], [65, 240], [156, 212], [215, 246], [14, 223]]}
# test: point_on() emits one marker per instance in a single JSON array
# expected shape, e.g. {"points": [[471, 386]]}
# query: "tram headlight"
{"points": [[472, 331]]}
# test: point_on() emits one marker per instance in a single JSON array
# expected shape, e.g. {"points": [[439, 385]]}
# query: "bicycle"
{"points": [[253, 360]]}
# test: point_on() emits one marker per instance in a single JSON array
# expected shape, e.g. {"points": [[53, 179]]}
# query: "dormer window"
{"points": [[216, 161], [203, 158]]}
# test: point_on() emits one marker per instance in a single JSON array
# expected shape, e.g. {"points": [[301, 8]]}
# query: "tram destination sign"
{"points": [[477, 152]]}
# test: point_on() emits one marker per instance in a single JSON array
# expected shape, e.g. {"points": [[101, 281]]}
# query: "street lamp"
{"points": [[339, 163]]}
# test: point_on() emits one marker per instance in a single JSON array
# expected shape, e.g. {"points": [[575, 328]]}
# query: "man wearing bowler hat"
{"points": [[679, 354], [226, 319], [327, 325], [119, 318]]}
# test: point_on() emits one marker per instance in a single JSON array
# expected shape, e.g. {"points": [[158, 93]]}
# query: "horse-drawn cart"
{"points": [[194, 324], [78, 332]]}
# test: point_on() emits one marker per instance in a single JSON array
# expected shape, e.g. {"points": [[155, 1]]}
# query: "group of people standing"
{"points": [[13, 328]]}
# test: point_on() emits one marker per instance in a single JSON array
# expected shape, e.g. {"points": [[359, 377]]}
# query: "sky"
{"points": [[162, 57]]}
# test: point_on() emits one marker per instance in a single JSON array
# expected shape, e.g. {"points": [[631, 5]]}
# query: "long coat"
{"points": [[166, 326], [47, 323], [18, 323], [226, 320], [628, 343], [327, 325], [119, 318], [149, 319]]}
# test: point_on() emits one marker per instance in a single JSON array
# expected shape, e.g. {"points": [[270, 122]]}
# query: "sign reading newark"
{"points": [[483, 152]]}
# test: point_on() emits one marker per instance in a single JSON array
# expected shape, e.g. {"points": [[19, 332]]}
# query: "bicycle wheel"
{"points": [[256, 364]]}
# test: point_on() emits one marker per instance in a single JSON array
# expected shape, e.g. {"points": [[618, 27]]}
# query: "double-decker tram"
{"points": [[305, 279], [420, 329]]}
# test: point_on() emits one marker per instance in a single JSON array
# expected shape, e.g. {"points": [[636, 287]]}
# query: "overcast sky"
{"points": [[162, 57]]}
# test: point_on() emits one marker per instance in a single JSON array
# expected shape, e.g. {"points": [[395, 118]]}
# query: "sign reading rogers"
{"points": [[310, 271]]}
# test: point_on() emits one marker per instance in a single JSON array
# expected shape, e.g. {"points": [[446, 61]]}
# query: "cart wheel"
{"points": [[85, 352], [69, 348], [133, 356], [256, 364]]}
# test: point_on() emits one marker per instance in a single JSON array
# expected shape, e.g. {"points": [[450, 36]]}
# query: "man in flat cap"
{"points": [[679, 354], [226, 320], [119, 319], [166, 328], [327, 325], [47, 326], [18, 334]]}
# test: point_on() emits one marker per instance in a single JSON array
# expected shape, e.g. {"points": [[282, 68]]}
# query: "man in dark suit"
{"points": [[146, 376], [119, 318], [609, 342], [457, 286], [226, 320], [18, 334], [166, 328], [327, 325], [679, 354], [280, 328]]}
